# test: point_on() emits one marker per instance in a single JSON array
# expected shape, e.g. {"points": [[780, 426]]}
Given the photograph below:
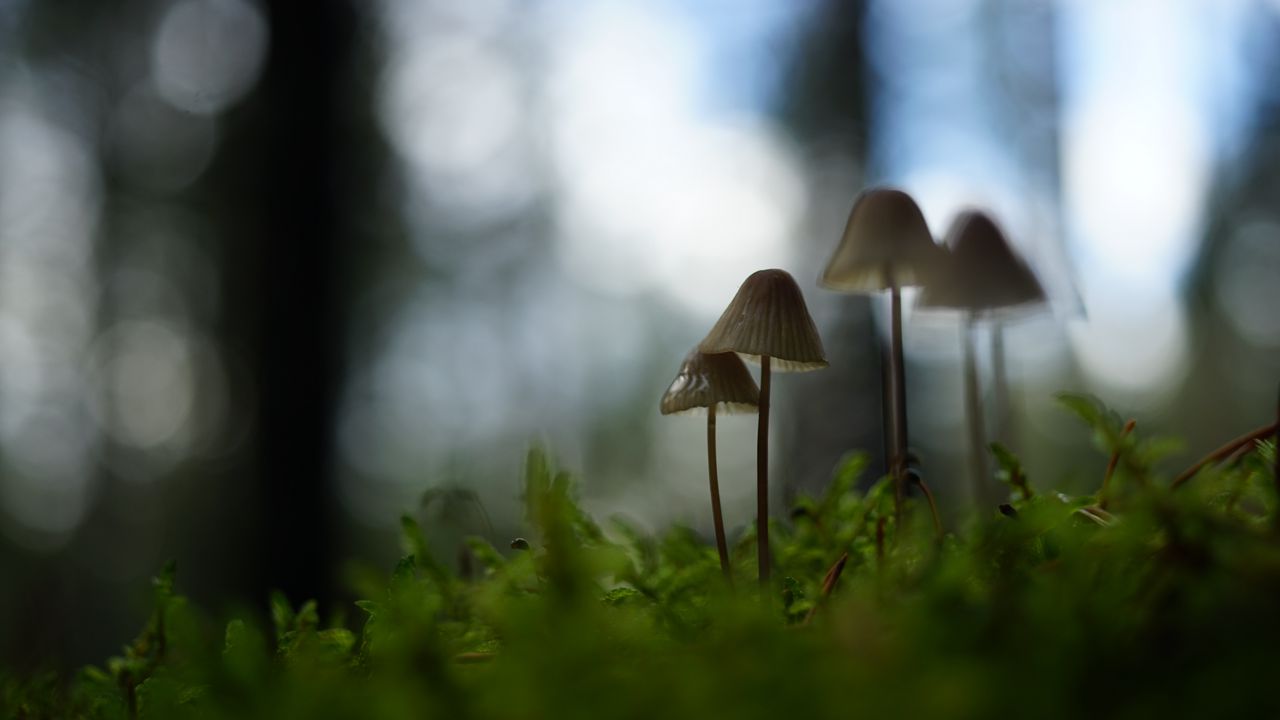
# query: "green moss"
{"points": [[1163, 603]]}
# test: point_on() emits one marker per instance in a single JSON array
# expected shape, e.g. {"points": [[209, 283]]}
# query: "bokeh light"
{"points": [[208, 53]]}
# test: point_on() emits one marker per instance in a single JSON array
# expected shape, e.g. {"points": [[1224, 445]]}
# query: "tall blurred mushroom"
{"points": [[985, 279], [767, 322], [715, 384], [886, 246]]}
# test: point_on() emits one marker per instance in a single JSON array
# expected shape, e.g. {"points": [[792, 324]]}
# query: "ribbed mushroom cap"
{"points": [[768, 317], [721, 381], [886, 242], [983, 273]]}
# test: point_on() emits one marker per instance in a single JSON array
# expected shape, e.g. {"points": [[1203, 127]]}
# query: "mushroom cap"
{"points": [[768, 317], [886, 242], [983, 272], [721, 381]]}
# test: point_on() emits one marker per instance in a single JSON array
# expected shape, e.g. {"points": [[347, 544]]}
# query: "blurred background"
{"points": [[270, 271]]}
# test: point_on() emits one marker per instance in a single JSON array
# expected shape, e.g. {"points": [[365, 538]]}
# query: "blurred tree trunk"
{"points": [[299, 336], [826, 104]]}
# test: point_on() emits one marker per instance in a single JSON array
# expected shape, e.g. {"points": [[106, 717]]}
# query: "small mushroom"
{"points": [[983, 273], [886, 246], [767, 322], [988, 281], [717, 384]]}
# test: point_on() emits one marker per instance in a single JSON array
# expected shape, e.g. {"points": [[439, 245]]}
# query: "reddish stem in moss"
{"points": [[1112, 463], [1226, 450], [933, 506], [828, 584]]}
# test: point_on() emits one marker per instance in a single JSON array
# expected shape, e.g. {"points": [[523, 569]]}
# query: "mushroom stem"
{"points": [[886, 406], [1000, 385], [762, 474], [899, 384], [1276, 469], [714, 477], [973, 411]]}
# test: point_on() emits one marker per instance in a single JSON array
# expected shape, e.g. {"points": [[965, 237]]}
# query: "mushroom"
{"points": [[717, 384], [987, 280], [767, 322], [886, 246]]}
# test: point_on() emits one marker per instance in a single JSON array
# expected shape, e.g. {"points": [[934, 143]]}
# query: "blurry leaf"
{"points": [[308, 617], [1106, 424], [1007, 460], [1009, 470], [1266, 451], [1086, 407], [281, 615], [1156, 449], [163, 583], [879, 499], [245, 654], [405, 570], [412, 539], [339, 641], [623, 596], [416, 545], [485, 554], [848, 472], [162, 697], [537, 483], [804, 508]]}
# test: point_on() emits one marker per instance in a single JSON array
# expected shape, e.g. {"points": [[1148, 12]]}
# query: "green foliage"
{"points": [[1134, 455], [1009, 470], [1162, 603]]}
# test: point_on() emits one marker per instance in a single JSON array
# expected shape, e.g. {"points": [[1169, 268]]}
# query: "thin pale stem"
{"points": [[973, 411], [714, 477], [899, 384], [1000, 386], [762, 474]]}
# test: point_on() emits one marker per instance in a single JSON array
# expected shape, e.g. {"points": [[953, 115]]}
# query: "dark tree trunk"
{"points": [[299, 332]]}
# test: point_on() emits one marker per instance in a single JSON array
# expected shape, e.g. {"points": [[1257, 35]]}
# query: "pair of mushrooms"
{"points": [[767, 322], [886, 246]]}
